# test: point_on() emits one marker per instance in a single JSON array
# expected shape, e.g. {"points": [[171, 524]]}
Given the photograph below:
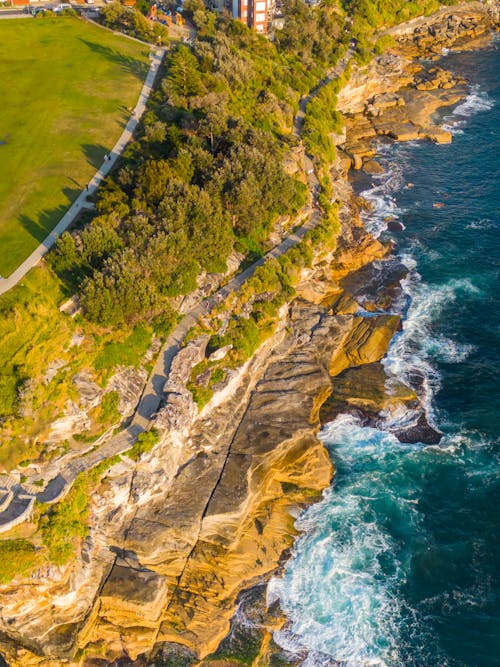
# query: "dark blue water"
{"points": [[399, 564]]}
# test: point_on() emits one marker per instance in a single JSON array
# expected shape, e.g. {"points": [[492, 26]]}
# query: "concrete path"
{"points": [[151, 397], [81, 202], [15, 14]]}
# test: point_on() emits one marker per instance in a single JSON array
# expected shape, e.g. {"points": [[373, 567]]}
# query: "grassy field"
{"points": [[66, 88]]}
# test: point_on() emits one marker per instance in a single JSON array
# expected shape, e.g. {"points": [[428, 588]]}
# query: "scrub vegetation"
{"points": [[204, 176]]}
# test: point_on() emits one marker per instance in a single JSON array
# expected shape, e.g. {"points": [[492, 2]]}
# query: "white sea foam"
{"points": [[414, 351], [482, 223], [341, 593], [475, 102], [381, 197]]}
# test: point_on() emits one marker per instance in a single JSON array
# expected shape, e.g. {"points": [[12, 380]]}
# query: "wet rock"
{"points": [[364, 392], [422, 431], [373, 167], [394, 225]]}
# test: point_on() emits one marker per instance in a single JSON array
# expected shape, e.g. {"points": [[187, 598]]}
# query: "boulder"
{"points": [[219, 354]]}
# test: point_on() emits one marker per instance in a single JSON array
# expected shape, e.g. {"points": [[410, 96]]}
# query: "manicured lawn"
{"points": [[65, 88]]}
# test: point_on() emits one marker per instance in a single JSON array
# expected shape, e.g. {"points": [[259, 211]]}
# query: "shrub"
{"points": [[109, 408], [64, 524], [17, 558], [145, 443], [125, 353]]}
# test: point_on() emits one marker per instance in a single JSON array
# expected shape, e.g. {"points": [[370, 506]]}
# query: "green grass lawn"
{"points": [[66, 86]]}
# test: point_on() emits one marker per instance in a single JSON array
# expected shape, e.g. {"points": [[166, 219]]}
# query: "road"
{"points": [[81, 203], [14, 14]]}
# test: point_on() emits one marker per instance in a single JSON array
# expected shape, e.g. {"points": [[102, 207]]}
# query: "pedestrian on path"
{"points": [[87, 187]]}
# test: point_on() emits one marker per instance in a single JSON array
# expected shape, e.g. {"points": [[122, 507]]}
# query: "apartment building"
{"points": [[256, 14]]}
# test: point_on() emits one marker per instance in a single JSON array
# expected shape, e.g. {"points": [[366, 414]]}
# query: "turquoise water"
{"points": [[399, 563]]}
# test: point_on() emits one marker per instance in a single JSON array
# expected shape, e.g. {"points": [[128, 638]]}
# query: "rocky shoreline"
{"points": [[181, 544]]}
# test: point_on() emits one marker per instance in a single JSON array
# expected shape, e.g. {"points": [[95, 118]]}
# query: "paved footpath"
{"points": [[152, 394], [81, 203]]}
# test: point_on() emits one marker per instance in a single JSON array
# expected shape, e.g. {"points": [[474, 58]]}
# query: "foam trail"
{"points": [[414, 351], [347, 566], [475, 102], [381, 196]]}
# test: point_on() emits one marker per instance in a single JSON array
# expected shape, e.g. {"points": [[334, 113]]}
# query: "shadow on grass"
{"points": [[95, 155], [127, 63], [47, 220]]}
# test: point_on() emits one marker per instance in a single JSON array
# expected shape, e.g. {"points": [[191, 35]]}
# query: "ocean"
{"points": [[398, 565]]}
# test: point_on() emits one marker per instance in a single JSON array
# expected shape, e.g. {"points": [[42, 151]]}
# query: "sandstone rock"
{"points": [[52, 370], [75, 420], [404, 132], [128, 381], [436, 134], [364, 389], [219, 354], [366, 342], [133, 596], [373, 167], [90, 392]]}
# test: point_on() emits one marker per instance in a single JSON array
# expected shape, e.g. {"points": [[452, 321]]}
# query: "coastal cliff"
{"points": [[208, 513]]}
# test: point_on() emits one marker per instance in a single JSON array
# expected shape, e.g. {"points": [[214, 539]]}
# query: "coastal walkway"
{"points": [[151, 397], [81, 203]]}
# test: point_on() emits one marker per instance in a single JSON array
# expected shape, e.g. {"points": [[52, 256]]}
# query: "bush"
{"points": [[109, 408], [9, 385], [124, 353], [201, 395], [145, 443], [17, 558], [65, 524], [133, 23]]}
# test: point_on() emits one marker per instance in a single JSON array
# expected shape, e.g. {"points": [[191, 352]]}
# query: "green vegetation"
{"points": [[109, 408], [132, 22], [127, 352], [35, 335], [65, 524], [321, 121], [265, 292], [205, 174], [18, 558], [66, 88], [371, 16], [145, 443]]}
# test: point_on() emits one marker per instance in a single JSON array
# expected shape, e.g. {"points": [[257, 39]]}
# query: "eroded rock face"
{"points": [[396, 97], [177, 537], [208, 513]]}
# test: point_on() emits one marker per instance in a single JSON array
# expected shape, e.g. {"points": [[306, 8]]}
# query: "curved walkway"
{"points": [[81, 202], [150, 399]]}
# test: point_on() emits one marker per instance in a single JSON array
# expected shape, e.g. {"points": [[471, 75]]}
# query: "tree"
{"points": [[65, 256], [120, 293], [99, 240], [184, 78]]}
